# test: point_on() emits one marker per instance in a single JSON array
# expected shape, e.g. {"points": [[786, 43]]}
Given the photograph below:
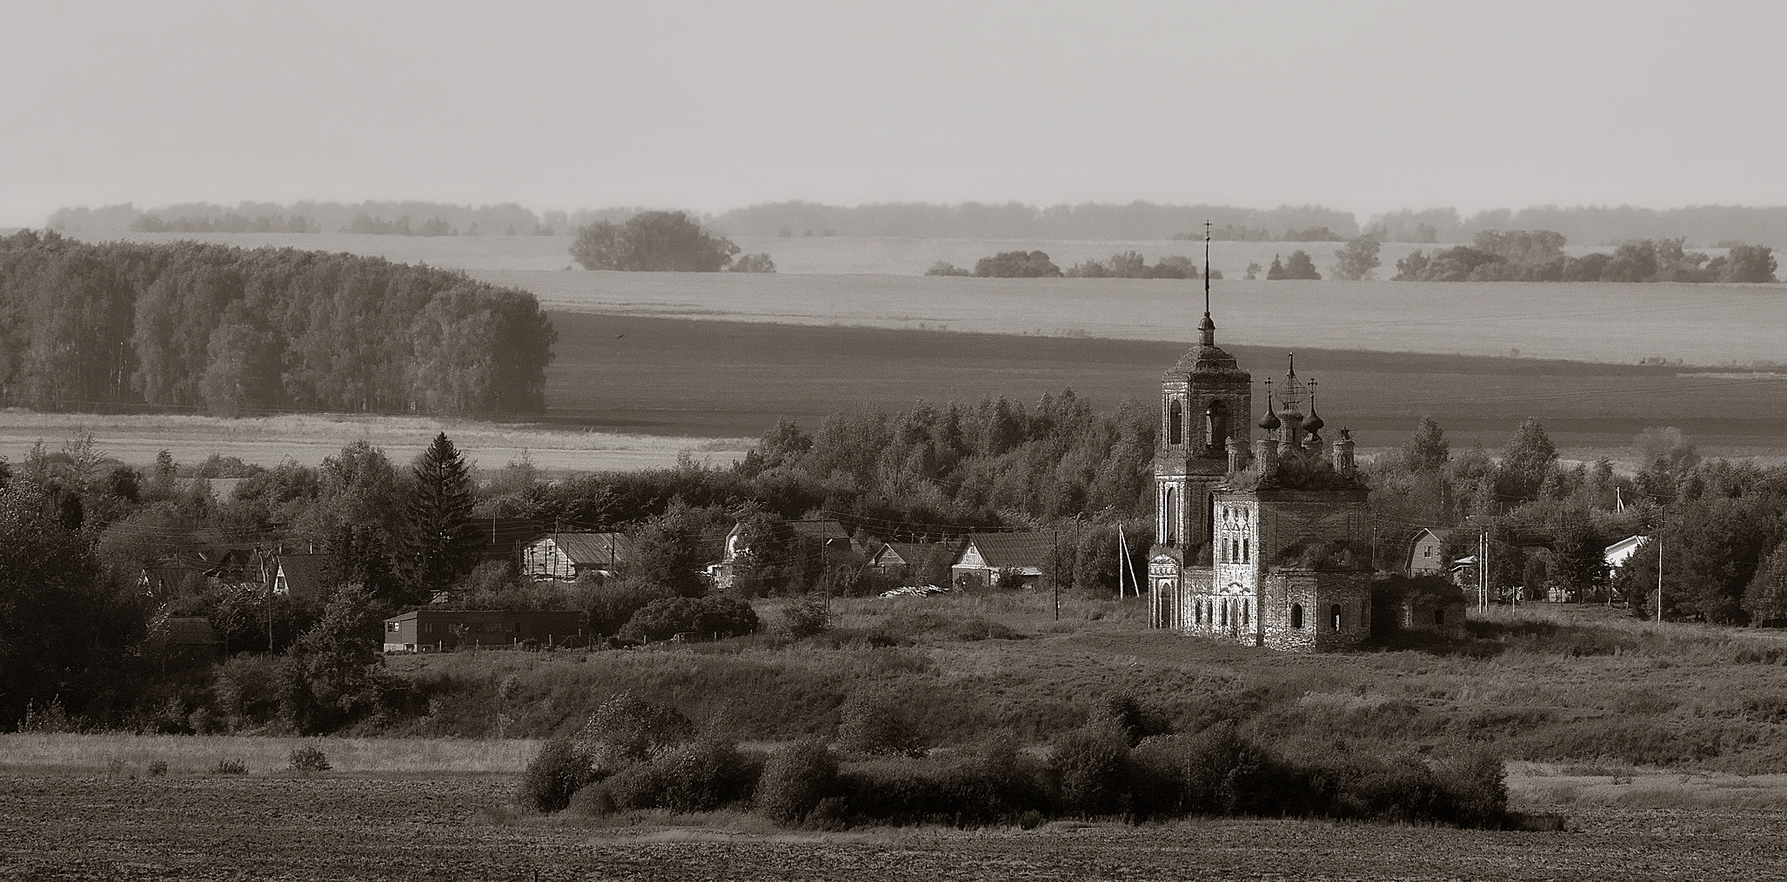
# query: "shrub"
{"points": [[229, 767], [609, 606], [1475, 788], [626, 729], [806, 616], [1091, 767], [997, 786], [794, 781], [716, 615], [875, 725], [308, 759], [697, 777], [554, 775], [158, 768]]}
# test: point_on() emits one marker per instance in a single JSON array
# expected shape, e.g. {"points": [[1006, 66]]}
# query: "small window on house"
{"points": [[428, 628], [1427, 552], [1439, 617], [393, 627], [1335, 614], [1296, 615]]}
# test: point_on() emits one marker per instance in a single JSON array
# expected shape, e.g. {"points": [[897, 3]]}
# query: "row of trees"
{"points": [[1538, 256], [234, 331]]}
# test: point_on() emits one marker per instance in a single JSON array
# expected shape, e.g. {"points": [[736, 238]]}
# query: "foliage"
{"points": [[654, 241], [1132, 265], [1426, 450], [182, 325], [1538, 256], [440, 543], [877, 725], [806, 616], [670, 551], [945, 268], [753, 263], [554, 775], [1016, 264], [308, 759], [608, 605], [711, 617], [795, 779], [1356, 259], [1300, 266], [1765, 598], [1528, 460]]}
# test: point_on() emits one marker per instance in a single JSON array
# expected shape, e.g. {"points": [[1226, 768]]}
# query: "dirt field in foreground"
{"points": [[439, 827]]}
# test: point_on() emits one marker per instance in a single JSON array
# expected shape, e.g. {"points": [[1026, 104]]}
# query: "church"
{"points": [[1260, 541]]}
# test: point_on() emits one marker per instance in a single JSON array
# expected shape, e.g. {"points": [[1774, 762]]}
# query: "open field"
{"points": [[332, 827], [121, 754], [729, 379], [308, 438], [1717, 325]]}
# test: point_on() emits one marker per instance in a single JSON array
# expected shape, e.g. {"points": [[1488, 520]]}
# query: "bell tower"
{"points": [[1205, 403]]}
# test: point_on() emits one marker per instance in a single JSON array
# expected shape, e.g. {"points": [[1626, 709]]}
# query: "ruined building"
{"points": [[1261, 541]]}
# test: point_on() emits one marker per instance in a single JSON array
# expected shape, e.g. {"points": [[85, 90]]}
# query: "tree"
{"points": [[1017, 265], [440, 543], [1276, 270], [1427, 449], [754, 263], [1300, 266], [1745, 263], [1765, 598], [768, 554], [1528, 459], [652, 241], [671, 552], [1356, 259]]}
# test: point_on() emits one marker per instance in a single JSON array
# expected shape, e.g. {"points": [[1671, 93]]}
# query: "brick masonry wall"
{"points": [[1317, 594]]}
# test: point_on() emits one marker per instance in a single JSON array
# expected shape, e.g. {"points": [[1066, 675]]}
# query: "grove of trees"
{"points": [[233, 331], [661, 241], [1538, 256]]}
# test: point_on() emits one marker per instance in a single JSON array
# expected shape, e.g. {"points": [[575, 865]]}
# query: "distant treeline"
{"points": [[233, 331], [1706, 226], [1538, 256], [1703, 225], [385, 218]]}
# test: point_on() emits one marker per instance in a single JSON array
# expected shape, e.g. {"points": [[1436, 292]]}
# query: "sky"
{"points": [[1361, 106]]}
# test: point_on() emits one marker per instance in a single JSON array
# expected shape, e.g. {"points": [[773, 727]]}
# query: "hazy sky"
{"points": [[1359, 106]]}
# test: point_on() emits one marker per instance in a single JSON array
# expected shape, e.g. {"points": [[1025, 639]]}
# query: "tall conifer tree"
{"points": [[440, 544]]}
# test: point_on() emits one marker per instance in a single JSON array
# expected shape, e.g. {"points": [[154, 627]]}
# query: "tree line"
{"points": [[232, 331], [1538, 256]]}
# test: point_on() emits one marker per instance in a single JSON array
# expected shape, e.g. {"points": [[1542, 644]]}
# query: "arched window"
{"points": [[1246, 613], [1335, 614], [1171, 514], [1216, 425], [1225, 614], [1175, 423], [1296, 615], [1246, 553]]}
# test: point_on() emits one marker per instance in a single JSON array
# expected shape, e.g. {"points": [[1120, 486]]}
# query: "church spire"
{"points": [[1207, 327]]}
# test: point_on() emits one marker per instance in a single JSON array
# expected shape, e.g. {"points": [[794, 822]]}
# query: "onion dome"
{"points": [[1314, 424], [1270, 421]]}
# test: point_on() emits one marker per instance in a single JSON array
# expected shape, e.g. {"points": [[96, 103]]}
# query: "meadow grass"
{"points": [[199, 754]]}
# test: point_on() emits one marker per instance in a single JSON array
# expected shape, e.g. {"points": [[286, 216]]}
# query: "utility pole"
{"points": [[1661, 521], [1055, 577]]}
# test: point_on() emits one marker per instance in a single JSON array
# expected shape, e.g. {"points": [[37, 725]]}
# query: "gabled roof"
{"points": [[820, 530], [1437, 532], [1012, 550], [592, 549], [305, 573], [914, 553], [501, 536]]}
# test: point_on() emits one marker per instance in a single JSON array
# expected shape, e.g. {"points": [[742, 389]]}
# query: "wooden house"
{"points": [[928, 562], [565, 556], [1003, 560], [306, 576], [824, 541], [1426, 554]]}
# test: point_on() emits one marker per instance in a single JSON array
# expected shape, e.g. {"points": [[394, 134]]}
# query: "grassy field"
{"points": [[308, 438], [728, 379]]}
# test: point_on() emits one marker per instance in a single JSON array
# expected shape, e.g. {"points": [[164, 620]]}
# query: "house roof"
{"points": [[1010, 550], [304, 573], [501, 536], [820, 530], [1437, 532], [912, 553], [593, 549]]}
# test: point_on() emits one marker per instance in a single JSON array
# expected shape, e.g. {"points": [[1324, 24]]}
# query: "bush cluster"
{"points": [[634, 756], [709, 617]]}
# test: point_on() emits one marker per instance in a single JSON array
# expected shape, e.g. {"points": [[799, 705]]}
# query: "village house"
{"points": [[821, 540], [915, 562], [564, 557], [1427, 556], [1003, 560], [303, 575], [434, 630]]}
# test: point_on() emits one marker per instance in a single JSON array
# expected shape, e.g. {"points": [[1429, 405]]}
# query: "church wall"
{"points": [[1317, 594], [1289, 517]]}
